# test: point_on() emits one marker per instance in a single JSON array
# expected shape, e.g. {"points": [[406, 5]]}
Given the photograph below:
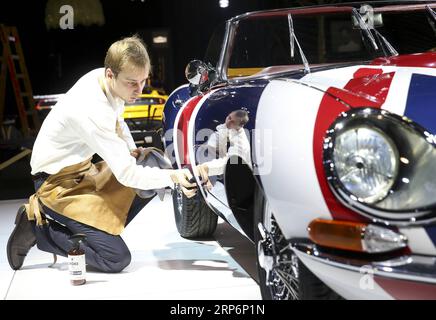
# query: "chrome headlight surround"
{"points": [[409, 196]]}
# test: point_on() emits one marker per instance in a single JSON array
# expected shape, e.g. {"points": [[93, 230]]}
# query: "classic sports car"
{"points": [[317, 128]]}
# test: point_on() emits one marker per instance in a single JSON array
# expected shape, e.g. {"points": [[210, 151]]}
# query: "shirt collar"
{"points": [[116, 103]]}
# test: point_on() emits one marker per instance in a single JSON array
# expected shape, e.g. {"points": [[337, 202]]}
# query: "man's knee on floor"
{"points": [[119, 262]]}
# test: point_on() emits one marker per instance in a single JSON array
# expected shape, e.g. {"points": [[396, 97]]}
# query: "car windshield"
{"points": [[270, 42]]}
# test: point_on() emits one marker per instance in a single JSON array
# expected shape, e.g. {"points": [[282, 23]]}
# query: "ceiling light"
{"points": [[224, 3]]}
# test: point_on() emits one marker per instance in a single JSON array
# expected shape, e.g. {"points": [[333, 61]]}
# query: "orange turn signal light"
{"points": [[343, 235], [355, 236]]}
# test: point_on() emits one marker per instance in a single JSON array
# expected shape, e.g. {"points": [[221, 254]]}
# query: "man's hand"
{"points": [[203, 170], [182, 177], [137, 152]]}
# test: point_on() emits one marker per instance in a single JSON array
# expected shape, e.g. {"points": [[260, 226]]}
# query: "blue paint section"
{"points": [[431, 231], [219, 105], [421, 101], [421, 108], [214, 112], [171, 108], [222, 102]]}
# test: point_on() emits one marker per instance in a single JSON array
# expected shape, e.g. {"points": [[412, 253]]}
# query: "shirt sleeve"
{"points": [[98, 132], [216, 166], [126, 134]]}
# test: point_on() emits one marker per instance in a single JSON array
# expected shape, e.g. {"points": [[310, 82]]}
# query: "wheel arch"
{"points": [[240, 183]]}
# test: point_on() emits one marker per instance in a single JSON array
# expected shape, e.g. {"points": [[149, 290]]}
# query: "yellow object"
{"points": [[149, 105], [15, 158], [242, 72]]}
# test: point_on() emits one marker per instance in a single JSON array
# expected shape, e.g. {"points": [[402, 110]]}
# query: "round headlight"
{"points": [[366, 162]]}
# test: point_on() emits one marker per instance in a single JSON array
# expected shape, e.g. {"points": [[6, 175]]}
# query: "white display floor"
{"points": [[164, 265]]}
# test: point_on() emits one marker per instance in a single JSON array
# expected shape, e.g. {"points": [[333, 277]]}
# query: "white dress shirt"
{"points": [[83, 123]]}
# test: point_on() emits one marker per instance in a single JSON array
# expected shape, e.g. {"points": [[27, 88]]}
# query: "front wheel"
{"points": [[194, 219], [282, 276]]}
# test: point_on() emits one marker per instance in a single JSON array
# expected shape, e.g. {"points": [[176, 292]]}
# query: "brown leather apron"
{"points": [[86, 192]]}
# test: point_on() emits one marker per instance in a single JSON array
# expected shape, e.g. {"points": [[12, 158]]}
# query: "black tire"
{"points": [[194, 219], [305, 284]]}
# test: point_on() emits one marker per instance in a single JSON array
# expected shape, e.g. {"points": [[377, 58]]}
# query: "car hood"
{"points": [[368, 85]]}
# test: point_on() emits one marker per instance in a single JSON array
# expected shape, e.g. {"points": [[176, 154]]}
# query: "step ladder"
{"points": [[12, 58]]}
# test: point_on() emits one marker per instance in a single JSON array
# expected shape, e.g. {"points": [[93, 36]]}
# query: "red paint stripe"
{"points": [[407, 290], [354, 99], [427, 59], [333, 10], [327, 113], [182, 133], [373, 87], [300, 11], [368, 90], [364, 72]]}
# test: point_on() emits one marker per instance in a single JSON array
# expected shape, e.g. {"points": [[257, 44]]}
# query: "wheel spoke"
{"points": [[285, 262], [284, 249], [287, 275], [288, 284], [284, 282]]}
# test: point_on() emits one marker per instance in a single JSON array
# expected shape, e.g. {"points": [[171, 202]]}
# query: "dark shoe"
{"points": [[21, 240]]}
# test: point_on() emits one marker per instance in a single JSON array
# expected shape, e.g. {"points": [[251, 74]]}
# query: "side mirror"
{"points": [[197, 72]]}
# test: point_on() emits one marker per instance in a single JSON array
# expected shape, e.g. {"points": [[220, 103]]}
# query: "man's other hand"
{"points": [[203, 170], [182, 177], [137, 152]]}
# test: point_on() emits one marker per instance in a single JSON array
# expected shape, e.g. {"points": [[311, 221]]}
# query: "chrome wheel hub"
{"points": [[279, 262]]}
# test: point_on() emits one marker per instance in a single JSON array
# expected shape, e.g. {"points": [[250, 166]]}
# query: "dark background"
{"points": [[57, 58]]}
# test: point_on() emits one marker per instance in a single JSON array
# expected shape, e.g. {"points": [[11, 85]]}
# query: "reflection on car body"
{"points": [[228, 140]]}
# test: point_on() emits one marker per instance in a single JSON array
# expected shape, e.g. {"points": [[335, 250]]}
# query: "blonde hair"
{"points": [[130, 50]]}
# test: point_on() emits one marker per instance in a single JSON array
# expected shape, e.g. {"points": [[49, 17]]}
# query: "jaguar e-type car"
{"points": [[316, 126]]}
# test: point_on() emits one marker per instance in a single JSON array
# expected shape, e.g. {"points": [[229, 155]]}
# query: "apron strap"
{"points": [[33, 210]]}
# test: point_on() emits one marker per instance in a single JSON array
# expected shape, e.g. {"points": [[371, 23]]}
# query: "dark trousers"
{"points": [[103, 251]]}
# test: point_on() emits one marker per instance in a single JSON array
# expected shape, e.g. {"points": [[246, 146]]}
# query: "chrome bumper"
{"points": [[408, 267]]}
